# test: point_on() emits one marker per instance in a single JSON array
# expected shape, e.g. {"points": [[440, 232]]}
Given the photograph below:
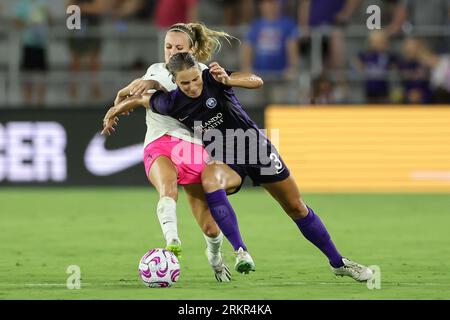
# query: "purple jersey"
{"points": [[416, 77], [216, 108], [323, 12], [377, 65], [228, 133]]}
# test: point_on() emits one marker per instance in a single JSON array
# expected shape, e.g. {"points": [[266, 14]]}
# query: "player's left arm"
{"points": [[111, 118], [236, 79]]}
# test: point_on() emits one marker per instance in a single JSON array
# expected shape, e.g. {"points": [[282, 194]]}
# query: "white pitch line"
{"points": [[119, 284], [63, 284]]}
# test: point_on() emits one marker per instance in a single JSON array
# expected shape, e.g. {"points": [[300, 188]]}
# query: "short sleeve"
{"points": [[162, 102], [157, 72], [210, 79], [150, 71]]}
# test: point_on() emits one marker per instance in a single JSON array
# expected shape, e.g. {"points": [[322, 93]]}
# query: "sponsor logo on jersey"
{"points": [[212, 123]]}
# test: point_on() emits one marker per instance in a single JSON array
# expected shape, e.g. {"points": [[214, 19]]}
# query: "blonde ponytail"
{"points": [[206, 41]]}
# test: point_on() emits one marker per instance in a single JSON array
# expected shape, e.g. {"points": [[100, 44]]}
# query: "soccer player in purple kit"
{"points": [[205, 102]]}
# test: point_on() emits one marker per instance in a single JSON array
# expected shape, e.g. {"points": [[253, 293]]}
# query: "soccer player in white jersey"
{"points": [[166, 169]]}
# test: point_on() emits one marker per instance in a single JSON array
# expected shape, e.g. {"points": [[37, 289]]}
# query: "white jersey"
{"points": [[159, 125]]}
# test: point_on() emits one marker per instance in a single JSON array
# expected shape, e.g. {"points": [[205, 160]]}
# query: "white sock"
{"points": [[214, 244], [167, 215]]}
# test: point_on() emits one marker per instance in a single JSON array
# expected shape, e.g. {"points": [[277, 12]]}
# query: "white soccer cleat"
{"points": [[353, 270], [221, 271], [244, 262]]}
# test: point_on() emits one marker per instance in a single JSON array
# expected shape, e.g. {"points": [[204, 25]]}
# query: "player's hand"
{"points": [[124, 93], [219, 73], [141, 87], [109, 121], [121, 95]]}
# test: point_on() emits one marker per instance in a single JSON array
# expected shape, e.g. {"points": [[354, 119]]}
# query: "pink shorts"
{"points": [[189, 158]]}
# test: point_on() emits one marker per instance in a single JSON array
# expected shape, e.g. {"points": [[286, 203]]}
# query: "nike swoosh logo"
{"points": [[182, 119], [103, 162]]}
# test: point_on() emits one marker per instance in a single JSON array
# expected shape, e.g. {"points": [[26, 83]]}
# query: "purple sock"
{"points": [[314, 230], [223, 213]]}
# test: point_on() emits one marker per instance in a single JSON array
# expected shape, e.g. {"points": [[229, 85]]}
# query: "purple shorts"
{"points": [[263, 172]]}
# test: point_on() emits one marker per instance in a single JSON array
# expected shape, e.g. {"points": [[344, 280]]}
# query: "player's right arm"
{"points": [[137, 87], [123, 93], [111, 118], [141, 85]]}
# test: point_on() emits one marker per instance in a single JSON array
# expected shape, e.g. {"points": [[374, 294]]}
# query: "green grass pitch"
{"points": [[105, 231]]}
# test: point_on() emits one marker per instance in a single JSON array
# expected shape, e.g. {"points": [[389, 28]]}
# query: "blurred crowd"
{"points": [[300, 47]]}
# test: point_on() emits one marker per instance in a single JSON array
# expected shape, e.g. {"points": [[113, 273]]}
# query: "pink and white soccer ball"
{"points": [[159, 268]]}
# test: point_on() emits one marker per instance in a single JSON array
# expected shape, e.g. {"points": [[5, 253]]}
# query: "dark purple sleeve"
{"points": [[210, 79], [162, 102]]}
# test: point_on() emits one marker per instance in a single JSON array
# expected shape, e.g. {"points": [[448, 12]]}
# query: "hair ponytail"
{"points": [[206, 41]]}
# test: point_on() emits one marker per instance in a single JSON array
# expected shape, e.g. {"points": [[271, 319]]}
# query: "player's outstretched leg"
{"points": [[223, 213], [167, 216], [354, 270], [163, 175], [211, 232], [312, 228], [216, 178], [215, 258]]}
